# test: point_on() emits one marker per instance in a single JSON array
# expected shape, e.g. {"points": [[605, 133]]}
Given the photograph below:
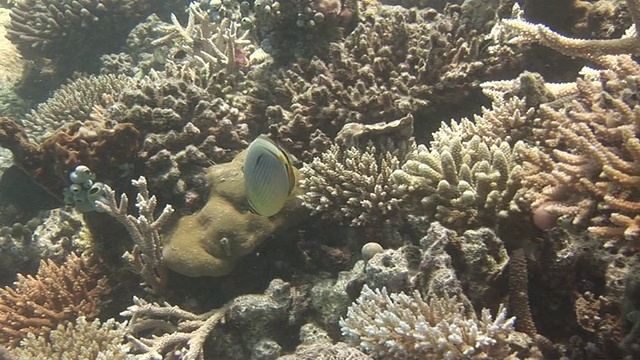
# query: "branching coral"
{"points": [[54, 29], [461, 184], [186, 338], [81, 339], [351, 185], [58, 293], [590, 49], [400, 62], [588, 168], [223, 45], [76, 101], [146, 256], [410, 327]]}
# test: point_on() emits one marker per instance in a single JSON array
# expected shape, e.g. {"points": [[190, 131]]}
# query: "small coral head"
{"points": [[543, 218]]}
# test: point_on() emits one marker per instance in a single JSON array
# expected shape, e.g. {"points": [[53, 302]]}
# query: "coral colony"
{"points": [[428, 179]]}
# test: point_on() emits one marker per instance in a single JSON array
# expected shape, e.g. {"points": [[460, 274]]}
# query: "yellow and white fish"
{"points": [[269, 178]]}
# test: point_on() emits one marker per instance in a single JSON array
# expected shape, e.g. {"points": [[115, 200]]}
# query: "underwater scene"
{"points": [[319, 179]]}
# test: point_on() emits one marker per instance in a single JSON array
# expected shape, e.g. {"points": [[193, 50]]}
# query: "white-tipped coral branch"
{"points": [[146, 256]]}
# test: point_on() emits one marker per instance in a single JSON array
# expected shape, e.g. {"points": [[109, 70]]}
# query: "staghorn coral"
{"points": [[56, 294], [410, 327], [461, 184], [183, 334], [587, 167], [146, 256], [184, 339], [592, 49], [81, 339], [351, 185], [223, 45]]}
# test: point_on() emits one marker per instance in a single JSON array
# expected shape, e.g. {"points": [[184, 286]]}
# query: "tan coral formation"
{"points": [[211, 241], [56, 294], [461, 184], [412, 327], [77, 339]]}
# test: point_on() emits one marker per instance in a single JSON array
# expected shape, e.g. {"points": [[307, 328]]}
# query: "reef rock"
{"points": [[209, 242]]}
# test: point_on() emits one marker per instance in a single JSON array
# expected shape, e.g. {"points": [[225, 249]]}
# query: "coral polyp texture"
{"points": [[460, 184], [77, 339], [76, 101], [351, 185], [54, 29], [57, 294], [410, 327], [398, 62], [591, 174]]}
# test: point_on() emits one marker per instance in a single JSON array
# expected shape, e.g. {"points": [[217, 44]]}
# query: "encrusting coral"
{"points": [[57, 294], [410, 327]]}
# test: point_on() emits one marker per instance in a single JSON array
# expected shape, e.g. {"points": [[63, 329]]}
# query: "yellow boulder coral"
{"points": [[211, 241]]}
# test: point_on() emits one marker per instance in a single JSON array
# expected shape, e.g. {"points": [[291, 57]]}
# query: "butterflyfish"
{"points": [[269, 178]]}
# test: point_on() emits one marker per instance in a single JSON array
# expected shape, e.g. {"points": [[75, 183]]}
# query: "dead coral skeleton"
{"points": [[146, 256], [184, 332], [206, 41]]}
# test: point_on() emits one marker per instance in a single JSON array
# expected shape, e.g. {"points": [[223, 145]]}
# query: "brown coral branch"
{"points": [[56, 294], [518, 296]]}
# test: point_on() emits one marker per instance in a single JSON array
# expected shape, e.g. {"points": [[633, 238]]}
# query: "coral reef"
{"points": [[146, 255], [399, 62], [410, 327], [351, 185], [75, 101], [211, 241], [70, 34], [98, 144], [79, 339], [184, 334], [56, 294], [462, 184]]}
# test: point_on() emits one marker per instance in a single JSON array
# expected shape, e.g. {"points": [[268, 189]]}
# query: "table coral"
{"points": [[66, 30], [211, 241], [58, 293]]}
